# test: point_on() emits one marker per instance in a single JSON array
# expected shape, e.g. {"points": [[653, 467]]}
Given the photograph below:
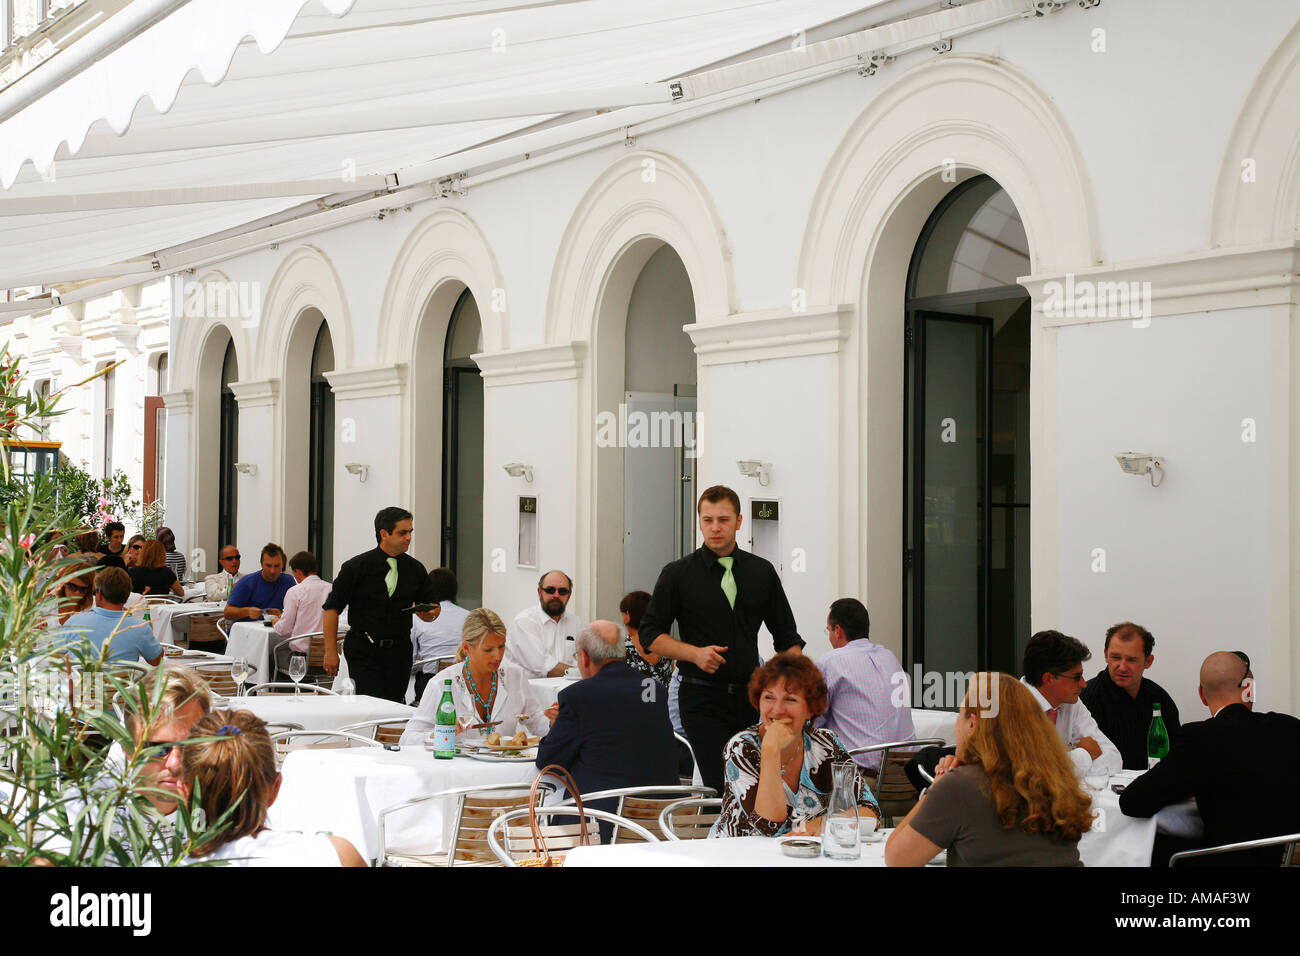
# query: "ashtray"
{"points": [[807, 848]]}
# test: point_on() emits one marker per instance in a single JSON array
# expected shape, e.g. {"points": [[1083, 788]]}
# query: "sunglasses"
{"points": [[564, 592], [137, 547], [79, 588], [232, 557], [159, 749]]}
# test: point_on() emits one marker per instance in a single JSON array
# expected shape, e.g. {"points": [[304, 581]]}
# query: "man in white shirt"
{"points": [[217, 587], [1054, 673], [542, 637], [303, 608], [440, 637]]}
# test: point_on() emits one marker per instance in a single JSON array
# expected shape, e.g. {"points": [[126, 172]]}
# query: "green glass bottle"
{"points": [[1157, 738], [444, 725]]}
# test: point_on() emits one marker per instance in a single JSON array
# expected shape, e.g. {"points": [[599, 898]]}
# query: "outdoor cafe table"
{"points": [[161, 616], [254, 641], [546, 690], [343, 791], [318, 711]]}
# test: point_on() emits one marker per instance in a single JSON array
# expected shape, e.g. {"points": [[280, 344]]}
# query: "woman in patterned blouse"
{"points": [[657, 666], [779, 772]]}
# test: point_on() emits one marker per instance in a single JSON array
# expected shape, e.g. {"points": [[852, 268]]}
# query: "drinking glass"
{"points": [[297, 670], [239, 671]]}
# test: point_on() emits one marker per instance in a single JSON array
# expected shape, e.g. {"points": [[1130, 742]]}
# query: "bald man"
{"points": [[1242, 767], [612, 728]]}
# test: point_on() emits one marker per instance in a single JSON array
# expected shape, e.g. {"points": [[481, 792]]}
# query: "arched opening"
{"points": [[966, 507], [646, 380], [155, 428], [462, 452], [308, 408], [227, 493], [320, 487]]}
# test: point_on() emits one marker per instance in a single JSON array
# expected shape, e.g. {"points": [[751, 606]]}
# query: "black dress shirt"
{"points": [[1127, 720], [689, 591], [360, 586]]}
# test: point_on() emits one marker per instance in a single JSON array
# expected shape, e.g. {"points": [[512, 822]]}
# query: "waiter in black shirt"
{"points": [[379, 586], [719, 595]]}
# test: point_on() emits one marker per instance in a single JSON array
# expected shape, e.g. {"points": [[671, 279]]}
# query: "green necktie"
{"points": [[390, 578], [728, 582]]}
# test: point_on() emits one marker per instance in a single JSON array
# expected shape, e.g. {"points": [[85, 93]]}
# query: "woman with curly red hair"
{"points": [[778, 774], [1010, 796]]}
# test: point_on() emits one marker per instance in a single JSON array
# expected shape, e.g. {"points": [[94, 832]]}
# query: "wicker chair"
{"points": [[218, 679], [287, 741], [206, 632]]}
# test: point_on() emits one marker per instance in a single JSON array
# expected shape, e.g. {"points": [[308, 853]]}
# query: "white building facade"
{"points": [[932, 303]]}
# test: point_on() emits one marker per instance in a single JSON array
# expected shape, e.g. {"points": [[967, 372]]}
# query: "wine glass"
{"points": [[297, 670], [239, 671]]}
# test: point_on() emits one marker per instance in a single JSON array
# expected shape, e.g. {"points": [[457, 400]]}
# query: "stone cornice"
{"points": [[377, 382], [179, 401], [255, 394], [771, 334], [534, 363], [1235, 278]]}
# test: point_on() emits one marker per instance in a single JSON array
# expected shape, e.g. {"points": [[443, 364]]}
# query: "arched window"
{"points": [[320, 487], [227, 496], [462, 436]]}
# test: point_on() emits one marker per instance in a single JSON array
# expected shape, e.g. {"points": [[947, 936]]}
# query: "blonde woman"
{"points": [[232, 762], [484, 688], [1010, 796]]}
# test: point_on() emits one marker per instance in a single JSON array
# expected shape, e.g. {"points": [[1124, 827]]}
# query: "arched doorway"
{"points": [[966, 505], [462, 452], [320, 488], [227, 496], [645, 393]]}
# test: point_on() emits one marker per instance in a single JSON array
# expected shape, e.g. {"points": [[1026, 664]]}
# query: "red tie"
{"points": [[1052, 715]]}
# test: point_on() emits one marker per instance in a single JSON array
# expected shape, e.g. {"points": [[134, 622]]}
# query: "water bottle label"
{"points": [[447, 707], [444, 739]]}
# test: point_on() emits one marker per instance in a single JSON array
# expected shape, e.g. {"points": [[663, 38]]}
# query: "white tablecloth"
{"points": [[320, 711], [546, 690], [343, 791], [1117, 840], [935, 723], [161, 616], [197, 589], [755, 851]]}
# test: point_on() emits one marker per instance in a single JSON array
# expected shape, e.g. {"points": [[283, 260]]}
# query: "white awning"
{"points": [[226, 113]]}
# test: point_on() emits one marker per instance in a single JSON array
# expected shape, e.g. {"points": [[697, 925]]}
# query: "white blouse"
{"points": [[272, 848], [514, 696]]}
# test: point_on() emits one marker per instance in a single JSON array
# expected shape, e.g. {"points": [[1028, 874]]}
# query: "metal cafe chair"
{"points": [[689, 819], [642, 805], [388, 732], [1287, 857], [475, 809], [893, 791], [511, 841]]}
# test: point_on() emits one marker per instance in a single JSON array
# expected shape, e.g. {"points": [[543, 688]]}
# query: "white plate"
{"points": [[524, 757]]}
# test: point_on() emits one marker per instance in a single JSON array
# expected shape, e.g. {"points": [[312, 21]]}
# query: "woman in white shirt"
{"points": [[236, 768], [483, 688]]}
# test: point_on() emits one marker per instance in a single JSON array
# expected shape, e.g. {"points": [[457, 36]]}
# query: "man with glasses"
{"points": [[217, 587], [108, 622], [542, 637], [1054, 673], [1243, 767]]}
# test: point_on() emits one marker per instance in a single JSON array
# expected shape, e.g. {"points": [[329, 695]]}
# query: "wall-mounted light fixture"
{"points": [[244, 468], [1141, 463], [517, 470], [358, 469], [762, 470]]}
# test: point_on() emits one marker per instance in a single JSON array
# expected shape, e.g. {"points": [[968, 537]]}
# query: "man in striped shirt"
{"points": [[861, 685]]}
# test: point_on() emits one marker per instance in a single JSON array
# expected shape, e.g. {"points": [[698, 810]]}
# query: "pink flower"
{"points": [[27, 541]]}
